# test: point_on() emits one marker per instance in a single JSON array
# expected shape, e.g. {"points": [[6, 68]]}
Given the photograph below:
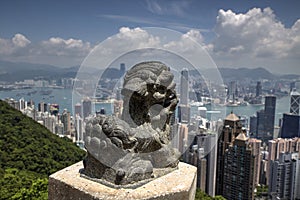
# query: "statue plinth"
{"points": [[179, 184]]}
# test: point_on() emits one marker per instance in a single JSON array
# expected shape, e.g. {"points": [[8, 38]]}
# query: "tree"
{"points": [[37, 191]]}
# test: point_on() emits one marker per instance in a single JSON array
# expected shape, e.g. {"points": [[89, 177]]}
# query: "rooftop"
{"points": [[232, 117], [242, 136]]}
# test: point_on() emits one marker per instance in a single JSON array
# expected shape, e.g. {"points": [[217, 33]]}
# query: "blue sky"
{"points": [[235, 33]]}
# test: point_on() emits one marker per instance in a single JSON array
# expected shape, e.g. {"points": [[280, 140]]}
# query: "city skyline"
{"points": [[122, 78], [249, 34]]}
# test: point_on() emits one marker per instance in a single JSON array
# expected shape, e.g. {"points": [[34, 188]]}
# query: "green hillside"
{"points": [[29, 153]]}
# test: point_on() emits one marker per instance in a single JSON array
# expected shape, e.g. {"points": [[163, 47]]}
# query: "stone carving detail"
{"points": [[137, 146]]}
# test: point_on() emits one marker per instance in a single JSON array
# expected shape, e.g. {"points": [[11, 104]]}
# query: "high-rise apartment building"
{"points": [[231, 129], [284, 179], [66, 120], [203, 155], [256, 152], [79, 128], [42, 107], [182, 138], [281, 145], [239, 170]]}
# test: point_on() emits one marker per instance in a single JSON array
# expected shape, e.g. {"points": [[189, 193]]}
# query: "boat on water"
{"points": [[236, 104], [45, 92]]}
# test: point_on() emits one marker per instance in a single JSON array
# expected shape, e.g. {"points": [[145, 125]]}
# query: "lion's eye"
{"points": [[171, 96]]}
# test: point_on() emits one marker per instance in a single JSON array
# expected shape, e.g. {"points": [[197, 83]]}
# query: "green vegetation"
{"points": [[29, 153], [261, 191], [203, 196]]}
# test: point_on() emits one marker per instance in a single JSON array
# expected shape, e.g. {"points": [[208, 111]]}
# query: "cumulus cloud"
{"points": [[188, 42], [13, 45], [65, 51], [136, 38], [257, 33], [20, 40], [61, 47]]}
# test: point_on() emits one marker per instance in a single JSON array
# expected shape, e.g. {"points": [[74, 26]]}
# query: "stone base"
{"points": [[179, 184]]}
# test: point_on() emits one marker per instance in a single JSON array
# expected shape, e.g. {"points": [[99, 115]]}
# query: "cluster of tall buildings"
{"points": [[48, 115], [234, 165], [234, 162], [231, 159], [262, 125]]}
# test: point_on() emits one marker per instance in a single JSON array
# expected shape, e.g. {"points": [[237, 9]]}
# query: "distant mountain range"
{"points": [[11, 72], [253, 74]]}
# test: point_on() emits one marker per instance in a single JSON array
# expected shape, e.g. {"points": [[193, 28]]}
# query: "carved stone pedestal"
{"points": [[68, 184]]}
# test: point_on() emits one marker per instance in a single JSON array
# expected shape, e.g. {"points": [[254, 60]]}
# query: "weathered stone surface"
{"points": [[128, 150], [179, 184]]}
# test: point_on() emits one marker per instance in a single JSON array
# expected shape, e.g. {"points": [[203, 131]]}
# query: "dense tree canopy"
{"points": [[203, 196], [29, 153]]}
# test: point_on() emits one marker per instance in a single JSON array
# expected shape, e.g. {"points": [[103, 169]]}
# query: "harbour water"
{"points": [[63, 97]]}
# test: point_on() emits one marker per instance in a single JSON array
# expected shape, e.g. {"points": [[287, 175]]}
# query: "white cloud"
{"points": [[20, 40], [57, 51], [257, 33], [13, 45], [136, 38], [195, 35], [60, 47], [188, 41]]}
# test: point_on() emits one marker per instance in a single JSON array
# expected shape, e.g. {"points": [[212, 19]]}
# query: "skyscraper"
{"points": [[79, 127], [232, 91], [260, 126], [270, 106], [86, 108], [184, 108], [253, 126], [256, 152], [258, 89], [184, 87], [203, 155], [78, 110], [184, 113], [183, 137], [42, 107], [285, 177], [66, 120], [239, 170], [290, 126], [295, 102], [292, 86], [231, 129], [122, 69], [281, 145]]}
